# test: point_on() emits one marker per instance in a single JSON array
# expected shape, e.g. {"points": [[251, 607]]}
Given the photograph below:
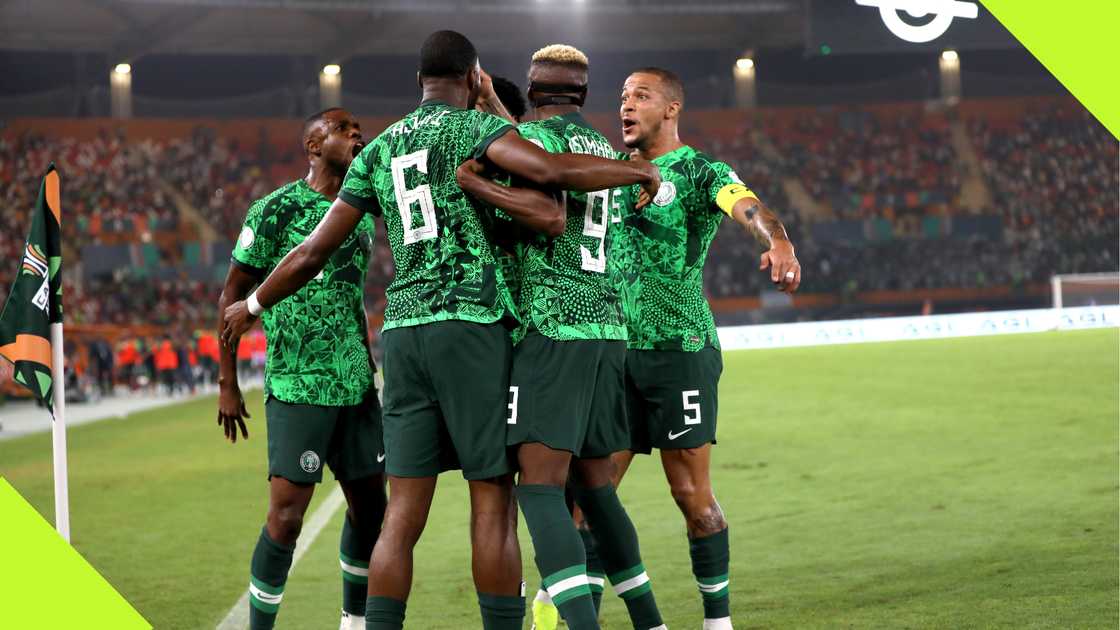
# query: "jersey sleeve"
{"points": [[488, 128], [723, 188], [257, 244], [357, 189]]}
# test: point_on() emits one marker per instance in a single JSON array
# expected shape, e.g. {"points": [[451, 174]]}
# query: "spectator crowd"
{"points": [[1052, 174]]}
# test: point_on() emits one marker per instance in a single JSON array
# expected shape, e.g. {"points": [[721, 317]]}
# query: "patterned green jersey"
{"points": [[565, 292], [660, 259], [317, 337], [445, 267]]}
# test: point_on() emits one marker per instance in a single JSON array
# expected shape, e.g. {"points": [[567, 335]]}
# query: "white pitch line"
{"points": [[238, 616]]}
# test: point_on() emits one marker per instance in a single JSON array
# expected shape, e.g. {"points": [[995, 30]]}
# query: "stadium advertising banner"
{"points": [[874, 26], [924, 327]]}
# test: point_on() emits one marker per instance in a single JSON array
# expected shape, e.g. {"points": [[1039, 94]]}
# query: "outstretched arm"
{"points": [[297, 268], [231, 405], [785, 271], [536, 210], [569, 171]]}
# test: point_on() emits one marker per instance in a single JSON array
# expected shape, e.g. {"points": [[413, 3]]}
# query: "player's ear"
{"points": [[673, 109], [312, 144], [419, 81]]}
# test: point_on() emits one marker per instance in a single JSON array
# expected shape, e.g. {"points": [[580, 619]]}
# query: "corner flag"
{"points": [[31, 330], [35, 301]]}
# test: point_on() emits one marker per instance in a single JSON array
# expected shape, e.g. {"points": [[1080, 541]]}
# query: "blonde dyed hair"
{"points": [[562, 54]]}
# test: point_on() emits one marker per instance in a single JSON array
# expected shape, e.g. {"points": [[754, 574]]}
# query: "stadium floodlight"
{"points": [[332, 69], [950, 56], [122, 68], [744, 63]]}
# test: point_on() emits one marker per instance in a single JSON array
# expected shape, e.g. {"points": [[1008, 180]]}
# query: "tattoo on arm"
{"points": [[764, 225]]}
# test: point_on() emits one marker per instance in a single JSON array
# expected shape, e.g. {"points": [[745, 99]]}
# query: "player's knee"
{"points": [[699, 507], [596, 472], [284, 524], [402, 528]]}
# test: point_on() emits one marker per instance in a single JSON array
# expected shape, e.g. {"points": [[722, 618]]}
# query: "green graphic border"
{"points": [[40, 572], [1076, 42]]}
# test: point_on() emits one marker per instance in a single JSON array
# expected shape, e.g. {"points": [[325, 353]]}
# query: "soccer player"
{"points": [[567, 392], [446, 345], [673, 362], [321, 404]]}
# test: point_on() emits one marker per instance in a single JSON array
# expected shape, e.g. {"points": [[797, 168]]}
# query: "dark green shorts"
{"points": [[446, 390], [671, 398], [302, 437], [569, 395]]}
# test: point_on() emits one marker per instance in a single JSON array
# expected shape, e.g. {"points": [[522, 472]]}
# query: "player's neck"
{"points": [[323, 180], [452, 92], [548, 111], [666, 142]]}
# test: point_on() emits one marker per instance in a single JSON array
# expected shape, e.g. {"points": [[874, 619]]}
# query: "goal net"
{"points": [[1085, 289]]}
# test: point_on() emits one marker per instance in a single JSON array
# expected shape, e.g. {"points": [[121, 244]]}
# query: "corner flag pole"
{"points": [[58, 435], [31, 328]]}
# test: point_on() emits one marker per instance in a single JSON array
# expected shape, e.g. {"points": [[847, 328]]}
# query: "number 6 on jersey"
{"points": [[406, 197]]}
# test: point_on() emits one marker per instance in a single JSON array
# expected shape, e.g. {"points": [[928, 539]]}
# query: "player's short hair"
{"points": [[311, 121], [510, 95], [447, 54], [563, 55], [674, 89]]}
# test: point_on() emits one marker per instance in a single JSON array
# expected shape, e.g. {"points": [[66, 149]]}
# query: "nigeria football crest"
{"points": [[309, 461]]}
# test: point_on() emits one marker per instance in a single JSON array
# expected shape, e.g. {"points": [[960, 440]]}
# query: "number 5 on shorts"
{"points": [[691, 405]]}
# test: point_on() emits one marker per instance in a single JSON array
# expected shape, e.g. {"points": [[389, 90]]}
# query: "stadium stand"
{"points": [[890, 219]]}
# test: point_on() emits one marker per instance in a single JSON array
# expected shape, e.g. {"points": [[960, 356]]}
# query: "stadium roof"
{"points": [[335, 30]]}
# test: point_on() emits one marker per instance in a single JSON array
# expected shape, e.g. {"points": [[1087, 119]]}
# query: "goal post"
{"points": [[1085, 289]]}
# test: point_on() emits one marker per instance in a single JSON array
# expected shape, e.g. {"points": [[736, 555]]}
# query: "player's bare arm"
{"points": [[569, 171], [231, 404], [297, 268], [767, 229], [535, 209], [488, 100]]}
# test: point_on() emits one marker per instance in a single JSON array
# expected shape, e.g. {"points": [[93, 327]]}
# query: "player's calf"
{"points": [[708, 543], [390, 571], [495, 554], [619, 553]]}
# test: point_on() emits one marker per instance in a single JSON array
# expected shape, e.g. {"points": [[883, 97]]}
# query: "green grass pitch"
{"points": [[964, 483]]}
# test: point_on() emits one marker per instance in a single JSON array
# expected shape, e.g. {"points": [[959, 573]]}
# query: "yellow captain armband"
{"points": [[730, 194]]}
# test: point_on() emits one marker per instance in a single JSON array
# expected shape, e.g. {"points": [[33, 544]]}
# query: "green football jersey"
{"points": [[660, 259], [317, 351], [440, 237], [565, 290]]}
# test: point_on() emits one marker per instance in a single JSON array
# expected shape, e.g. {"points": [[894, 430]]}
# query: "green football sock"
{"points": [[711, 556], [384, 613], [268, 574], [559, 553], [596, 577], [620, 554], [501, 612], [354, 550]]}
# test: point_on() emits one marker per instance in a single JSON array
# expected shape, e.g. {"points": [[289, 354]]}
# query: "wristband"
{"points": [[254, 306]]}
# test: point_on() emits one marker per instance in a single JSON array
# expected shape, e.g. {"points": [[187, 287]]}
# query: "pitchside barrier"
{"points": [[922, 327]]}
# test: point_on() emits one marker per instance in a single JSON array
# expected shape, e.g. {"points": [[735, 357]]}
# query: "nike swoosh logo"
{"points": [[673, 436], [380, 457]]}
